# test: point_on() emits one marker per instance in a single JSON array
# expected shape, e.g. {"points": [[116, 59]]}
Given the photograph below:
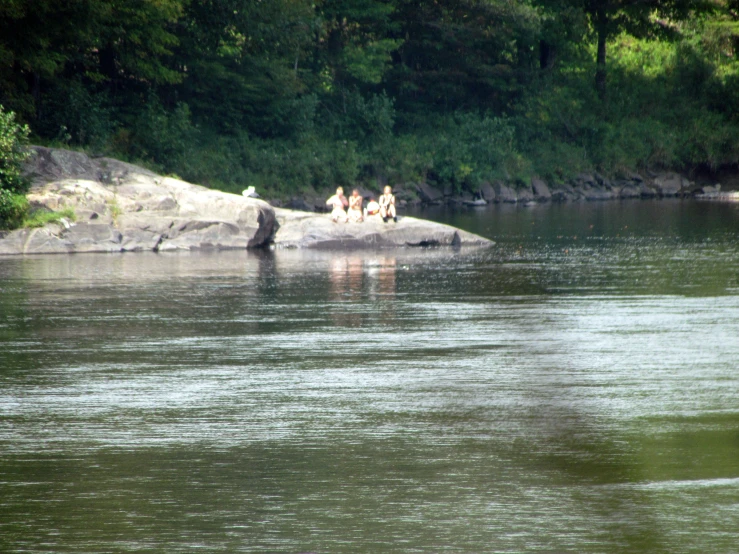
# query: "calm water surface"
{"points": [[573, 389]]}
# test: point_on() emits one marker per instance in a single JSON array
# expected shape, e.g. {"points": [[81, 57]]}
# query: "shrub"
{"points": [[13, 152], [13, 139], [13, 209]]}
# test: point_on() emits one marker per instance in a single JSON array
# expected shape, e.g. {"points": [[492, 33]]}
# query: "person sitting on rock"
{"points": [[373, 208], [338, 203], [387, 205], [355, 207]]}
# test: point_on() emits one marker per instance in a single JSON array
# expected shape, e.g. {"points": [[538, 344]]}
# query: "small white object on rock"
{"points": [[250, 192]]}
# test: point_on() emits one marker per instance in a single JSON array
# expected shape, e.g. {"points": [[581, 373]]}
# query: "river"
{"points": [[572, 389]]}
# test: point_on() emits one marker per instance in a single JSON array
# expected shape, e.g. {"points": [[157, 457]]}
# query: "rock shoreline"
{"points": [[583, 188], [121, 207]]}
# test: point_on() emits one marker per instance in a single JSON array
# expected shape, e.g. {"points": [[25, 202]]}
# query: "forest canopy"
{"points": [[290, 94]]}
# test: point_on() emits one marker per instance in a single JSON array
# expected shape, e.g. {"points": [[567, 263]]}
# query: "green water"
{"points": [[573, 389]]}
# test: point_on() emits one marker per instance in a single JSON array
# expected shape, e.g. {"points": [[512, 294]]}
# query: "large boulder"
{"points": [[487, 191], [504, 193], [429, 194], [123, 207], [541, 190], [597, 193], [629, 190], [670, 184], [308, 230], [525, 194], [34, 241]]}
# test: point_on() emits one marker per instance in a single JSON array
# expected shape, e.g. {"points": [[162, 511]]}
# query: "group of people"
{"points": [[345, 210]]}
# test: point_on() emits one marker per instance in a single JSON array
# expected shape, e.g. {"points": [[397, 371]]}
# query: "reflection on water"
{"points": [[552, 394], [355, 280]]}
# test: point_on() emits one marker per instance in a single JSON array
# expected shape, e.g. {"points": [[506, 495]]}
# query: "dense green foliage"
{"points": [[13, 137], [289, 94]]}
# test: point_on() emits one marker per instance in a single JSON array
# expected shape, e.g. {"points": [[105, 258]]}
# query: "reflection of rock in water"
{"points": [[381, 277], [355, 271], [337, 277], [387, 277], [355, 282], [345, 276], [381, 285]]}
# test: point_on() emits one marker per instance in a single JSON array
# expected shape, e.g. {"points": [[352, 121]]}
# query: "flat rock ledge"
{"points": [[121, 207], [731, 196], [298, 229]]}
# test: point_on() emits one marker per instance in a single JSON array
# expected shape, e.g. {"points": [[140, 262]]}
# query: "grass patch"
{"points": [[39, 218]]}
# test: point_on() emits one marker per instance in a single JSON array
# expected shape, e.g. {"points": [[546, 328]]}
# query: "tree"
{"points": [[641, 18], [463, 53], [243, 61]]}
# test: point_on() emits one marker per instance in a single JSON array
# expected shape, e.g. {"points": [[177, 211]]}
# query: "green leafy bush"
{"points": [[13, 209], [13, 152]]}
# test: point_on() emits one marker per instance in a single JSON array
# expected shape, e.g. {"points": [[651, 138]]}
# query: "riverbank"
{"points": [[585, 187], [120, 207]]}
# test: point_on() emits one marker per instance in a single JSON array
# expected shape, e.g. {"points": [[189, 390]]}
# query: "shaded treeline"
{"points": [[284, 94]]}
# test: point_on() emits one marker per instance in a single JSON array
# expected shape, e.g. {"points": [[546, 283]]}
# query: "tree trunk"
{"points": [[547, 55], [600, 61]]}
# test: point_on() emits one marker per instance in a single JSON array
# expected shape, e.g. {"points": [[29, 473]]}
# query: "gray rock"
{"points": [[124, 208], [524, 194], [188, 234], [504, 193], [634, 177], [541, 190], [429, 194], [301, 204], [562, 195], [487, 191], [710, 189], [629, 191], [130, 208], [584, 179], [307, 230], [670, 184], [594, 194], [646, 191], [93, 237], [35, 241]]}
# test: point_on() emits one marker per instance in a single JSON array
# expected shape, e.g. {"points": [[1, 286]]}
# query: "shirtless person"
{"points": [[387, 205], [355, 207], [338, 203]]}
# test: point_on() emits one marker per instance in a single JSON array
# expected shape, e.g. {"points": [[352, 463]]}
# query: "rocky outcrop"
{"points": [[429, 194], [541, 190], [504, 193], [310, 230], [590, 187], [121, 207], [487, 191], [670, 184]]}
